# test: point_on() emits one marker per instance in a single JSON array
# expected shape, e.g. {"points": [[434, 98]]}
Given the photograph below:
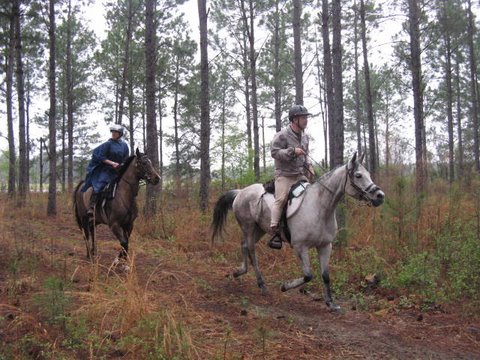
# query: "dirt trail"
{"points": [[233, 318], [302, 328]]}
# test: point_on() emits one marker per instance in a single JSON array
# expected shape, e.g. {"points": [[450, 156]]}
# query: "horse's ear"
{"points": [[361, 158], [351, 163], [137, 152]]}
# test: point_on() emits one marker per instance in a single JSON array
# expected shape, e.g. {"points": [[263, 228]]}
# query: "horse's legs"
{"points": [[324, 259], [86, 236], [244, 265], [251, 235], [91, 230], [122, 236], [302, 254]]}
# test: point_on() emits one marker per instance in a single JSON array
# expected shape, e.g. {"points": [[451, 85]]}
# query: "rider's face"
{"points": [[302, 121], [116, 135]]}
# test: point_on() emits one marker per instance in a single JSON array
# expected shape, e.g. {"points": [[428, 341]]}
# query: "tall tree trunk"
{"points": [[277, 91], [22, 143], [126, 63], [448, 80], [69, 101], [358, 109], [368, 95], [9, 102], [338, 143], [327, 60], [64, 142], [248, 108], [322, 98], [223, 117], [204, 107], [473, 86], [246, 55], [297, 49], [52, 134], [417, 86], [150, 71], [160, 136], [176, 138], [250, 26], [459, 121]]}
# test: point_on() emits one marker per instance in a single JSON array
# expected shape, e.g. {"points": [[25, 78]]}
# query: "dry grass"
{"points": [[176, 301]]}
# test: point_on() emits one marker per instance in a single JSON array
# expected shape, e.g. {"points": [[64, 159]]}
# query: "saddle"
{"points": [[107, 193], [296, 190], [109, 190]]}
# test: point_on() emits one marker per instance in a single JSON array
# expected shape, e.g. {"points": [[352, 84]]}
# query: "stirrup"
{"points": [[275, 242]]}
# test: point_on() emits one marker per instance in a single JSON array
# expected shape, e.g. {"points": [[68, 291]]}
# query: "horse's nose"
{"points": [[379, 199], [156, 180]]}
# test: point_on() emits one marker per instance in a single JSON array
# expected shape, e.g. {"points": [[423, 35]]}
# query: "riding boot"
{"points": [[276, 241], [91, 206]]}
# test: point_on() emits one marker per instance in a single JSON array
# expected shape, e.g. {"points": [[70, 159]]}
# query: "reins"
{"points": [[363, 193]]}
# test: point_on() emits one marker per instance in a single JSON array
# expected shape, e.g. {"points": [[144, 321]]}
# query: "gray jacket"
{"points": [[283, 151]]}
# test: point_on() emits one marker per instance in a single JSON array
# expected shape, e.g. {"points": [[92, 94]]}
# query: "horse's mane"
{"points": [[329, 174], [125, 166]]}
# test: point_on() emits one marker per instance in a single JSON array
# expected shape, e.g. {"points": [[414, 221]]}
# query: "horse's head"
{"points": [[359, 184], [145, 169]]}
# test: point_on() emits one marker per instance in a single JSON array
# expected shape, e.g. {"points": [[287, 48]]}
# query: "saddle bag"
{"points": [[297, 189]]}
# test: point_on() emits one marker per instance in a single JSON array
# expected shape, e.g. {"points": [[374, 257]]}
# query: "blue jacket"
{"points": [[100, 174]]}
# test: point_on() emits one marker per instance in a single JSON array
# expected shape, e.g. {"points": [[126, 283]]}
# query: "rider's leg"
{"points": [[92, 204], [282, 187]]}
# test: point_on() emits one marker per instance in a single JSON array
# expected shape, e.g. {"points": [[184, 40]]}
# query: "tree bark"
{"points": [[447, 43], [358, 109], [417, 86], [204, 107], [277, 91], [460, 164], [327, 60], [297, 49], [126, 63], [338, 143], [69, 101], [9, 103], [473, 86], [368, 95], [22, 143], [152, 136], [52, 133]]}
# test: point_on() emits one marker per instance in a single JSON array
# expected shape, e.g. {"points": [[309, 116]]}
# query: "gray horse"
{"points": [[311, 219]]}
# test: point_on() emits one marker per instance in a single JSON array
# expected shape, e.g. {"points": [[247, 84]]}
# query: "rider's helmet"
{"points": [[118, 128], [297, 110]]}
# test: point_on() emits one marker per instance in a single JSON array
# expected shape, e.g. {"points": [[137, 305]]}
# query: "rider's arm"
{"points": [[280, 149]]}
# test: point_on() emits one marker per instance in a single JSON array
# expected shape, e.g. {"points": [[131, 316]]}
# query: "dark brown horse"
{"points": [[117, 209]]}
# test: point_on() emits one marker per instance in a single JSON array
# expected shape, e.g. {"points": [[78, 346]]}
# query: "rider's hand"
{"points": [[299, 151], [113, 164]]}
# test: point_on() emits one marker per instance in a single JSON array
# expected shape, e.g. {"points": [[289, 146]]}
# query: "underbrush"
{"points": [[409, 253]]}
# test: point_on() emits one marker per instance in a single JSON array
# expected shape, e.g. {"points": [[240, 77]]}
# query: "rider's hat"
{"points": [[297, 110], [118, 128]]}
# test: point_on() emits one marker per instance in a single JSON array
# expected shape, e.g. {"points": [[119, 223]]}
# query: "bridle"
{"points": [[363, 193]]}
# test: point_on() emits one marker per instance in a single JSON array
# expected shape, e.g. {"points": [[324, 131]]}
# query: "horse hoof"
{"points": [[335, 308], [120, 266], [283, 288], [264, 290]]}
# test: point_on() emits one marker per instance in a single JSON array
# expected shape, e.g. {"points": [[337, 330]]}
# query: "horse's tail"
{"points": [[220, 212], [75, 205]]}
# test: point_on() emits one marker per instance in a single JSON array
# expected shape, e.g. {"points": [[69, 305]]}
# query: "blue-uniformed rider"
{"points": [[105, 159]]}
